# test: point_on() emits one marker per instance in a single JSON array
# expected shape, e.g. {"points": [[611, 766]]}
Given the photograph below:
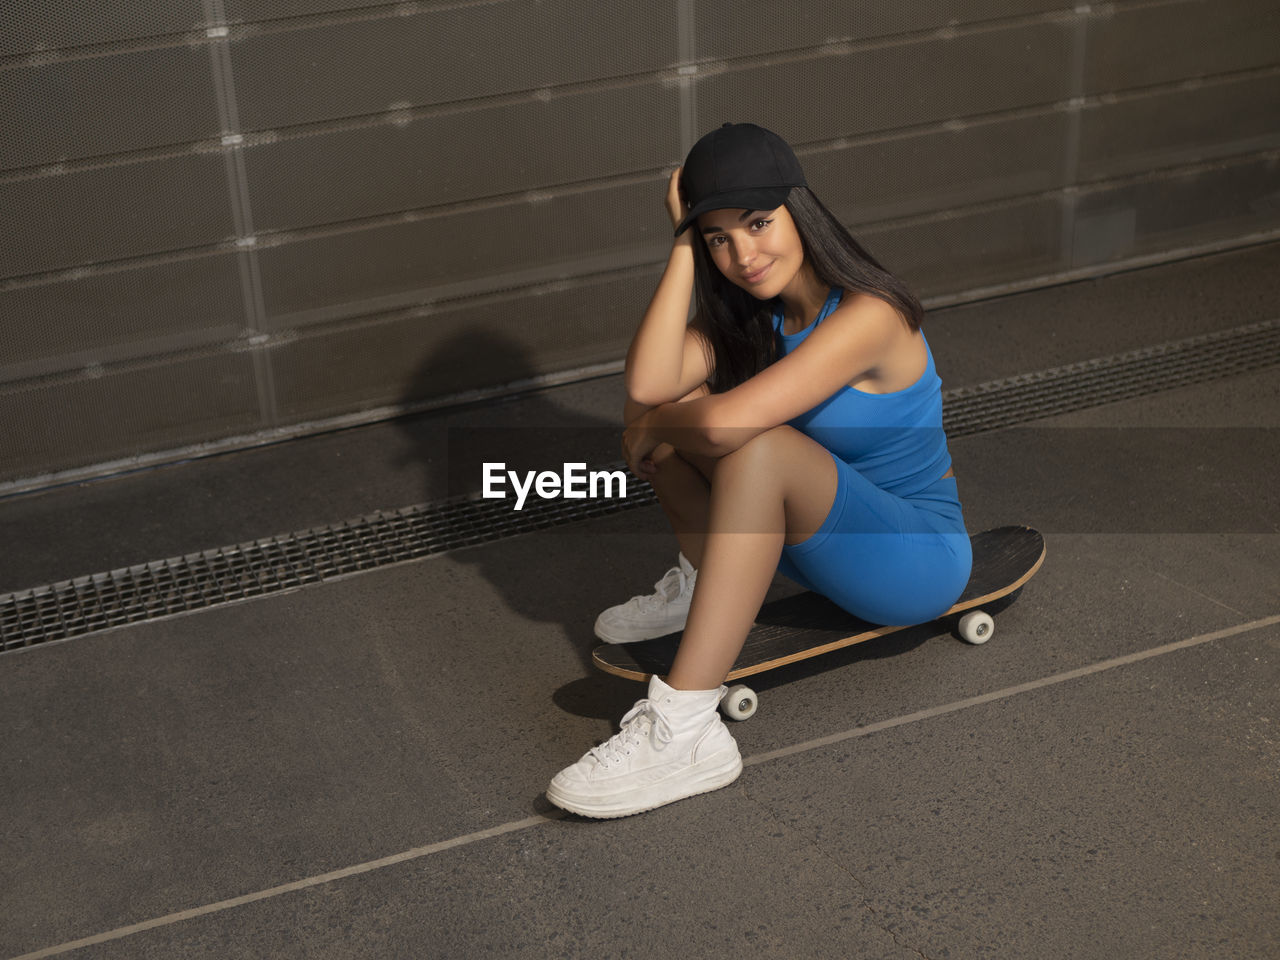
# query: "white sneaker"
{"points": [[672, 745], [662, 612]]}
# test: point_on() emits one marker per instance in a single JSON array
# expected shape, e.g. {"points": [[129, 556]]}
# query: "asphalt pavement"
{"points": [[354, 768]]}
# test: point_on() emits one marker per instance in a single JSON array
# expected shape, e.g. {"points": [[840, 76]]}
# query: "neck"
{"points": [[802, 298]]}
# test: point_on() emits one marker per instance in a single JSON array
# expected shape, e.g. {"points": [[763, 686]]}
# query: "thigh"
{"points": [[783, 464]]}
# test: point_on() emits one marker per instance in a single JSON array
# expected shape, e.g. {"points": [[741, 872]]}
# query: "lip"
{"points": [[759, 275]]}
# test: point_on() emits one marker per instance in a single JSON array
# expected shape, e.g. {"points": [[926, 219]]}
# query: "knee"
{"points": [[757, 456]]}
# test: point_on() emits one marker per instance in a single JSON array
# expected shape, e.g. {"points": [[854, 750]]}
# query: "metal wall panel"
{"points": [[984, 247], [727, 29], [247, 11], [1145, 45], [435, 354], [71, 323], [889, 88], [958, 165], [483, 152], [110, 213], [431, 56], [37, 26], [1213, 201], [1178, 125], [90, 107], [126, 413], [440, 255]]}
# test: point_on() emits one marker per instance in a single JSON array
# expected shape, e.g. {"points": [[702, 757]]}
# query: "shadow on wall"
{"points": [[565, 574]]}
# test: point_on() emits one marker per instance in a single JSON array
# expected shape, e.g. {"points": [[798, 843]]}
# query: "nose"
{"points": [[745, 249]]}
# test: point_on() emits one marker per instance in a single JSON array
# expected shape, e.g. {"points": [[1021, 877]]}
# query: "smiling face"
{"points": [[759, 251]]}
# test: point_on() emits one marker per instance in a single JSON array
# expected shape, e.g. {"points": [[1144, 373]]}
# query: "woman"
{"points": [[794, 425]]}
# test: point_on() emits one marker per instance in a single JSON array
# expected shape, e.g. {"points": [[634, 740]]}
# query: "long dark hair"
{"points": [[740, 327]]}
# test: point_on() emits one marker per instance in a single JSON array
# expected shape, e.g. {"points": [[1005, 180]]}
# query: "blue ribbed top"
{"points": [[895, 439]]}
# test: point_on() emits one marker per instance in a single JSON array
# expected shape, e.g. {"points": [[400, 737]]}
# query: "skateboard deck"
{"points": [[807, 624]]}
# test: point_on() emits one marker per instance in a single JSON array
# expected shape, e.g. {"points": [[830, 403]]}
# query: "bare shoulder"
{"points": [[873, 323], [866, 308], [883, 352]]}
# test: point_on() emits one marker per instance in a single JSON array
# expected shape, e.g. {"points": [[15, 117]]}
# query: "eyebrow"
{"points": [[746, 214]]}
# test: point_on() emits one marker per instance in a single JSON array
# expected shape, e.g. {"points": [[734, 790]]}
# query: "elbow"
{"points": [[644, 390], [714, 437], [721, 430], [645, 395], [653, 392], [714, 443]]}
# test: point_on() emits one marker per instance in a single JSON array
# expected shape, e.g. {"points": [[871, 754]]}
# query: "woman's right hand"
{"points": [[676, 206]]}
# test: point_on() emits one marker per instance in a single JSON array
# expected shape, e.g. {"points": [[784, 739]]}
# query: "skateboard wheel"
{"points": [[739, 703], [976, 627]]}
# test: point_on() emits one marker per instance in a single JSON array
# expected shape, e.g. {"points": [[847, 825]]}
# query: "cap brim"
{"points": [[756, 198]]}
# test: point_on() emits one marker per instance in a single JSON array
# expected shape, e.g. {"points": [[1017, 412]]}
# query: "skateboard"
{"points": [[807, 624]]}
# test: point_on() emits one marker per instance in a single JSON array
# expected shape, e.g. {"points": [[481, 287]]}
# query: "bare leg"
{"points": [[685, 496], [682, 487], [731, 517], [777, 488]]}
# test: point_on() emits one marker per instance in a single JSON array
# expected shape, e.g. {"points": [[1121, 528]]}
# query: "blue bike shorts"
{"points": [[888, 559]]}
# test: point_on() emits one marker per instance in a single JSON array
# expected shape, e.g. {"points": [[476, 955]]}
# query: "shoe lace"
{"points": [[667, 589], [645, 715]]}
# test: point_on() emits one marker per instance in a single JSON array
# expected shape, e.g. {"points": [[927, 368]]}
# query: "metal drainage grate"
{"points": [[200, 580], [1123, 376], [227, 574]]}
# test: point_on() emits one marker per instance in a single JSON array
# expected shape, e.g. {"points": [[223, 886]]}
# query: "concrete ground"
{"points": [[355, 769]]}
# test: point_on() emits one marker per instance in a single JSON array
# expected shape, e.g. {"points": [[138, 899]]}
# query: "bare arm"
{"points": [[851, 341], [667, 358]]}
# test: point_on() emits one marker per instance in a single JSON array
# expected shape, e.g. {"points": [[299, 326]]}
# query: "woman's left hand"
{"points": [[638, 443]]}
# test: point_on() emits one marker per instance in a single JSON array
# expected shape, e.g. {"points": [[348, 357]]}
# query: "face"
{"points": [[759, 251]]}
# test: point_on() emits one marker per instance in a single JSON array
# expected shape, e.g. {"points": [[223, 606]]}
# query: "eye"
{"points": [[760, 224], [715, 241]]}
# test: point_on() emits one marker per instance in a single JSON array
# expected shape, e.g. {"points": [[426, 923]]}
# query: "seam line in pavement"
{"points": [[307, 882], [518, 825], [1007, 692]]}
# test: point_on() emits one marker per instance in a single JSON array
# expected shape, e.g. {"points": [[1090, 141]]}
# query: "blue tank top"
{"points": [[895, 439]]}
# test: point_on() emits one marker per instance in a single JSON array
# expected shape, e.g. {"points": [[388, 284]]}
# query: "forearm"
{"points": [[655, 360], [695, 427]]}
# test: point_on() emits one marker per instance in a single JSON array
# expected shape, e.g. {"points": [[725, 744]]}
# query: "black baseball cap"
{"points": [[739, 166]]}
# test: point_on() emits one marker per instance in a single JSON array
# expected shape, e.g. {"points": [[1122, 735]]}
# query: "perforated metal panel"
{"points": [[889, 86], [93, 107], [461, 157], [1138, 45], [415, 57], [36, 27], [724, 31]]}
